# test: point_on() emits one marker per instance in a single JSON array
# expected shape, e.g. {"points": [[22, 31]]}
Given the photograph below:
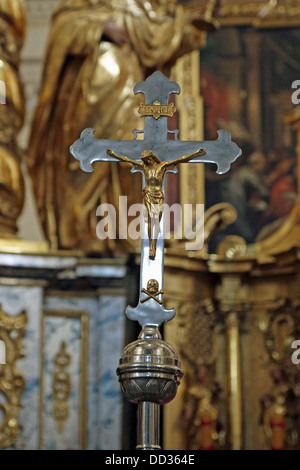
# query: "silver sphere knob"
{"points": [[149, 369]]}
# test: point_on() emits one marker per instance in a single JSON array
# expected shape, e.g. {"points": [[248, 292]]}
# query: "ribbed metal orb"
{"points": [[149, 369]]}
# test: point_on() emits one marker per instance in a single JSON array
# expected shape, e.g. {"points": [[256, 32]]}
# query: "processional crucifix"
{"points": [[149, 370]]}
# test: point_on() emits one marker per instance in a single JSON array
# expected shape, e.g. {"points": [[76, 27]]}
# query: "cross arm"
{"points": [[88, 150], [221, 151]]}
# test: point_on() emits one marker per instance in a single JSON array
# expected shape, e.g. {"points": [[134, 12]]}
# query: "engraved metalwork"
{"points": [[197, 321], [149, 373], [12, 383], [197, 342], [259, 13]]}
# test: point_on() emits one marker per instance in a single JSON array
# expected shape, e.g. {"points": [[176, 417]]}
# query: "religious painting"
{"points": [[247, 79]]}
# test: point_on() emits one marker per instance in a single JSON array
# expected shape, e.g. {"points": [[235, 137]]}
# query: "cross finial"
{"points": [[162, 154]]}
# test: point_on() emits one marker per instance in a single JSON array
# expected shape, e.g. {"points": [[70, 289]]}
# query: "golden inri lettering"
{"points": [[157, 109]]}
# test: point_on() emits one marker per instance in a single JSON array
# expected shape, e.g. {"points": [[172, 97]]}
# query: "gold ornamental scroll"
{"points": [[12, 382], [258, 13], [12, 111]]}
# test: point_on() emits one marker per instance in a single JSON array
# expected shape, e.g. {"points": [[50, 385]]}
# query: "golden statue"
{"points": [[280, 408], [12, 110], [97, 51], [200, 417], [153, 197]]}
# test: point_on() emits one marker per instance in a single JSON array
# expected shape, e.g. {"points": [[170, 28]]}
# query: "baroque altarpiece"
{"points": [[63, 299]]}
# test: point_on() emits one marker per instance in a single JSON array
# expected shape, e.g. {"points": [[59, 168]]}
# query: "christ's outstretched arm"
{"points": [[122, 158], [184, 158]]}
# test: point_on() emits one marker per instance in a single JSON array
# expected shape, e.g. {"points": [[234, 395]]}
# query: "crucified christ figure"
{"points": [[153, 197]]}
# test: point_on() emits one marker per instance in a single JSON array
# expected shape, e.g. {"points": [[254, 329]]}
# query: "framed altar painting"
{"points": [[248, 80]]}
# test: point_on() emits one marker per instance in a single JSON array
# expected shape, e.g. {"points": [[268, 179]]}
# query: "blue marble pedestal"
{"points": [[72, 344]]}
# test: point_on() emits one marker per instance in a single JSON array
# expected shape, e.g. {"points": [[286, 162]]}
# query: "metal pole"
{"points": [[148, 435]]}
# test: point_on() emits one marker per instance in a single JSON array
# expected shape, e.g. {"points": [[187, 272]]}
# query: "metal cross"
{"points": [[88, 150]]}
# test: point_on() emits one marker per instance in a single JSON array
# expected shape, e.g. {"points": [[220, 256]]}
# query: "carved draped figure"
{"points": [[87, 82], [12, 110]]}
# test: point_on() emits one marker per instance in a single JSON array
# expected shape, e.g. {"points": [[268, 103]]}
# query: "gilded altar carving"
{"points": [[61, 386], [12, 383], [280, 408], [12, 110], [261, 13], [197, 324], [201, 415]]}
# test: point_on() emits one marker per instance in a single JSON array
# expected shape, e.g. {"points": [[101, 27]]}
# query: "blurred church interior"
{"points": [[66, 65]]}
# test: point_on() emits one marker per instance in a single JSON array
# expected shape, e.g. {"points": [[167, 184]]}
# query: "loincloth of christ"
{"points": [[153, 200]]}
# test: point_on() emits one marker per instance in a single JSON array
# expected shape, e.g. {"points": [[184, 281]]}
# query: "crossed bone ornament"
{"points": [[152, 291]]}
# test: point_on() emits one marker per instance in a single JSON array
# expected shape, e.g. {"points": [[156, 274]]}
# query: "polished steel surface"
{"points": [[148, 435]]}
